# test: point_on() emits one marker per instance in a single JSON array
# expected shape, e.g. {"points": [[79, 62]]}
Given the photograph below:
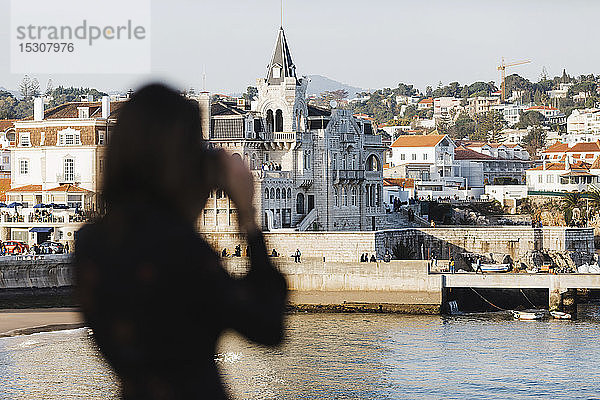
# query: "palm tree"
{"points": [[570, 201]]}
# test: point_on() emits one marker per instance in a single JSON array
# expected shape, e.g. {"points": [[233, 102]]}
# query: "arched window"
{"points": [[283, 193], [270, 120], [253, 163], [267, 194], [300, 203], [236, 156], [278, 121], [277, 194], [336, 199], [289, 193], [373, 163], [272, 193], [344, 197], [354, 195]]}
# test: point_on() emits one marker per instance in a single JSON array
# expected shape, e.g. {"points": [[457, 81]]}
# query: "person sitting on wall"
{"points": [[373, 258], [387, 256], [238, 251], [224, 252], [274, 253]]}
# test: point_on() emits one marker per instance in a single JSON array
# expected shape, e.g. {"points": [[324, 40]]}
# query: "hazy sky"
{"points": [[369, 44]]}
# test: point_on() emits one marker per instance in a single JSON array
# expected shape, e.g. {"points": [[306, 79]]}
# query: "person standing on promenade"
{"points": [[297, 255], [139, 302], [451, 265]]}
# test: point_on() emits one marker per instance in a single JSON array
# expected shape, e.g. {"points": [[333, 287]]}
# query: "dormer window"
{"points": [[68, 137], [276, 72], [84, 112], [24, 139]]}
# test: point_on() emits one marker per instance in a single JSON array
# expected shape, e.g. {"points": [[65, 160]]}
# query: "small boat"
{"points": [[528, 315], [492, 267], [560, 315], [533, 270]]}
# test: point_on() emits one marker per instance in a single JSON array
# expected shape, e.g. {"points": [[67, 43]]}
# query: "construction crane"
{"points": [[502, 69]]}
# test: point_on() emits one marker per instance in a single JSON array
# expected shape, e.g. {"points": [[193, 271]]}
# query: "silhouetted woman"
{"points": [[152, 290]]}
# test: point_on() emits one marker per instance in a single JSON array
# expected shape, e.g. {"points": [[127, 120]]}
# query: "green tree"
{"points": [[535, 140], [530, 118]]}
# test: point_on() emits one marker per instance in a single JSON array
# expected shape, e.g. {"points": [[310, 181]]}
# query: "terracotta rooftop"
{"points": [[463, 153], [68, 188], [557, 147], [27, 188], [541, 108], [426, 101], [588, 146], [407, 183], [6, 124], [418, 140]]}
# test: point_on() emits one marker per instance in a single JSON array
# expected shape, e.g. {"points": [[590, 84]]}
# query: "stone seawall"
{"points": [[515, 241], [36, 281], [397, 286]]}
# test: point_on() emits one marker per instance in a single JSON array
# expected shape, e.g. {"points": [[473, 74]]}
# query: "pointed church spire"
{"points": [[281, 65]]}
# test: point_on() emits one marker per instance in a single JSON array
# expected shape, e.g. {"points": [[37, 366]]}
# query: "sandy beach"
{"points": [[27, 321]]}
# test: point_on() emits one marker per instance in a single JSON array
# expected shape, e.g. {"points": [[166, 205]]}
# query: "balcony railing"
{"points": [[282, 136], [348, 175], [372, 139]]}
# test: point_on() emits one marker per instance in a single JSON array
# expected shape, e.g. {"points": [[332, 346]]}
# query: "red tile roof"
{"points": [[581, 147], [27, 188], [535, 108], [463, 153], [426, 101], [418, 140], [68, 188], [407, 183], [6, 124], [557, 147]]}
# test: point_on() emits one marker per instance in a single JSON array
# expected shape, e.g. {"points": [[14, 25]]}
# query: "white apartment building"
{"points": [[481, 104], [584, 121], [425, 104], [446, 108], [429, 161], [547, 111], [513, 136], [510, 112], [563, 176], [583, 151]]}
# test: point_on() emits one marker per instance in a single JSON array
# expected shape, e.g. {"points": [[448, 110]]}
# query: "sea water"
{"points": [[348, 356]]}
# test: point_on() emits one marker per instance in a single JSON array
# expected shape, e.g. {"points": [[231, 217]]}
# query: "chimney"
{"points": [[204, 103], [105, 107], [38, 109]]}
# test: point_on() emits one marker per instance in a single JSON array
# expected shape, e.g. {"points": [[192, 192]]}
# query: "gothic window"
{"points": [[267, 194], [253, 164], [272, 193], [300, 203], [278, 121], [354, 194], [270, 120], [277, 194], [289, 194], [373, 163], [283, 193], [344, 160], [335, 197], [344, 197]]}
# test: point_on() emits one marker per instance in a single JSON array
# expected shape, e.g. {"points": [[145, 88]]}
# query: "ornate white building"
{"points": [[315, 169]]}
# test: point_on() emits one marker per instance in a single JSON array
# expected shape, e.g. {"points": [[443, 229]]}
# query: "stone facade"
{"points": [[315, 169]]}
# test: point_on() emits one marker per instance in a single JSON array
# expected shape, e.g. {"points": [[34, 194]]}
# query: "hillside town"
{"points": [[381, 160]]}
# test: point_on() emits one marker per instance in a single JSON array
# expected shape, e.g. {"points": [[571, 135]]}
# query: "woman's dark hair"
{"points": [[156, 151]]}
